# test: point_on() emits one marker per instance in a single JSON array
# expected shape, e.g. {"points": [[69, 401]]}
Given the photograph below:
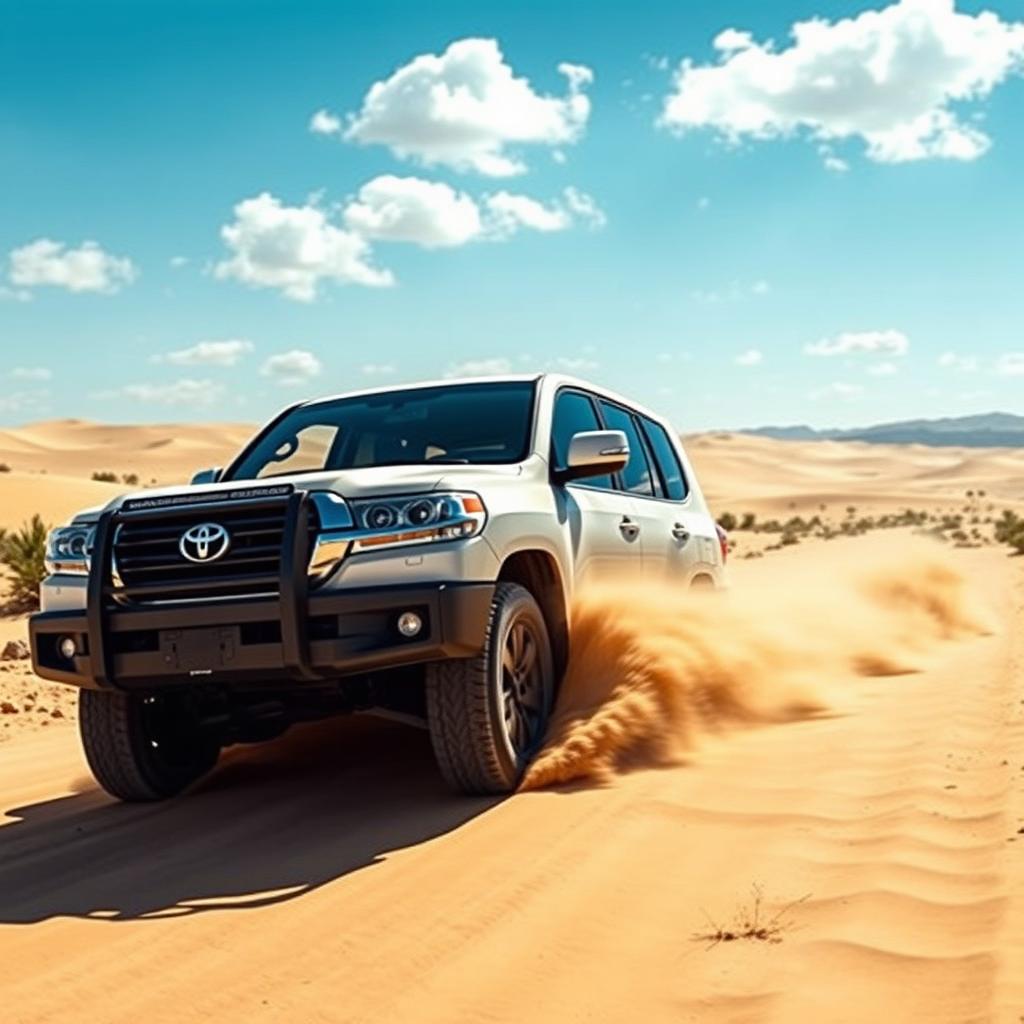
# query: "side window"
{"points": [[668, 460], [636, 477], [574, 412]]}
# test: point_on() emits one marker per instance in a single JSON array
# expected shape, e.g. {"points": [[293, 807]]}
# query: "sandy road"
{"points": [[329, 877]]}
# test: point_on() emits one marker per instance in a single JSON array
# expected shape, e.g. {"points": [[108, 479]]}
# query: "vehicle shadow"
{"points": [[271, 824]]}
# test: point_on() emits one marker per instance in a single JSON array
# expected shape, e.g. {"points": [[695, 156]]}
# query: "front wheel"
{"points": [[488, 713], [143, 748]]}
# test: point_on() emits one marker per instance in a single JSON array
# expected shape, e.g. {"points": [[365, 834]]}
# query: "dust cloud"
{"points": [[654, 667]]}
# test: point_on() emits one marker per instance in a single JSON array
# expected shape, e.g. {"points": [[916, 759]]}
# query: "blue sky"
{"points": [[731, 258]]}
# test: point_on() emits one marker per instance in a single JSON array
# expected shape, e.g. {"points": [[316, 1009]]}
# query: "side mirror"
{"points": [[207, 476], [594, 453]]}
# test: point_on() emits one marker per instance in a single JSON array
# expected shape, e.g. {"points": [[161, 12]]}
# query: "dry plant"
{"points": [[751, 922]]}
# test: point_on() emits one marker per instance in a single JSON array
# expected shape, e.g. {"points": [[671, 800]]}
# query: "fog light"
{"points": [[67, 647], [409, 624]]}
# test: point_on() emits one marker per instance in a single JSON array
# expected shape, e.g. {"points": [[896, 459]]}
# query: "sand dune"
{"points": [[167, 453], [838, 753], [765, 475]]}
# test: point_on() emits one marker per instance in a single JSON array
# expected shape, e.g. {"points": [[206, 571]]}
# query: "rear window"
{"points": [[672, 477]]}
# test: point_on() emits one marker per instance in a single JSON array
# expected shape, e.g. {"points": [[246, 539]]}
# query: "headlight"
{"points": [[68, 549], [417, 519]]}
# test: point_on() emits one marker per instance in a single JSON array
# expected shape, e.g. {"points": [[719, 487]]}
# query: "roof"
{"points": [[553, 379]]}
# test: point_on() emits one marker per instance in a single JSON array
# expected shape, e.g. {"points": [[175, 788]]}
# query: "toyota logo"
{"points": [[204, 543]]}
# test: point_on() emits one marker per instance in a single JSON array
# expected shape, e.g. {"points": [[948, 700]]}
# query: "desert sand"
{"points": [[800, 801]]}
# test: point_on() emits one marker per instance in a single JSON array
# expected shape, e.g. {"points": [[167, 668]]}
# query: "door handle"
{"points": [[681, 533], [629, 529]]}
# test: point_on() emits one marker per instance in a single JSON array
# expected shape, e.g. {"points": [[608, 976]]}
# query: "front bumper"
{"points": [[252, 641]]}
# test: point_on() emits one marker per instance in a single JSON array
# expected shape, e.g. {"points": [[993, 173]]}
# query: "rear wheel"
{"points": [[143, 748], [488, 713]]}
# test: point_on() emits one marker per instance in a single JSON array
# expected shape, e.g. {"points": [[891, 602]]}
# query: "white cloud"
{"points": [[85, 269], [883, 369], [31, 373], [480, 368], [752, 357], [208, 353], [1011, 364], [184, 392], [507, 212], [891, 342], [832, 162], [888, 77], [323, 122], [465, 107], [378, 369], [294, 367], [294, 248], [32, 402], [427, 213], [963, 364], [583, 207]]}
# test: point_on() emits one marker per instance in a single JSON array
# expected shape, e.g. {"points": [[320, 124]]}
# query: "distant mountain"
{"points": [[989, 430]]}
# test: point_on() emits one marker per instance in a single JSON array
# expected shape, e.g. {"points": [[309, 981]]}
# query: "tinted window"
{"points": [[574, 412], [667, 459], [463, 423], [636, 477]]}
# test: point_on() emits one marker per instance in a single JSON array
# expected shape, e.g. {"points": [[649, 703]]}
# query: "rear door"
{"points": [[602, 522], [682, 539]]}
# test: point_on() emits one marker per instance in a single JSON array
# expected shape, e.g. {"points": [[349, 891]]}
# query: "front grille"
{"points": [[150, 567]]}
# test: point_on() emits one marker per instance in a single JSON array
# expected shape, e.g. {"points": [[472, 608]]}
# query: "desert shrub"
{"points": [[1009, 530], [4, 468], [131, 479], [727, 521], [105, 477], [788, 539], [23, 553], [747, 522]]}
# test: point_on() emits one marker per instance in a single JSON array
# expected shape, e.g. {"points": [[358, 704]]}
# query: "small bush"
{"points": [[727, 521], [131, 479], [105, 477], [23, 552], [1010, 530], [748, 521], [4, 468]]}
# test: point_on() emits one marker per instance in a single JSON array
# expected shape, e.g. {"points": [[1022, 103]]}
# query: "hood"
{"points": [[371, 482]]}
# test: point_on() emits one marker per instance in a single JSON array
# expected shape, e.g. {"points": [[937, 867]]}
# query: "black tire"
{"points": [[484, 738], [142, 748]]}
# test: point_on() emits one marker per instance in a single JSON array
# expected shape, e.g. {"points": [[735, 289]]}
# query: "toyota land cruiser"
{"points": [[410, 551]]}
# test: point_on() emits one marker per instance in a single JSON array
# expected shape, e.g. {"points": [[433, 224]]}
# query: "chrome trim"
{"points": [[328, 552], [332, 510]]}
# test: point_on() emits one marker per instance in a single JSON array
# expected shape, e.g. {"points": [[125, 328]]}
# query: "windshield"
{"points": [[463, 423]]}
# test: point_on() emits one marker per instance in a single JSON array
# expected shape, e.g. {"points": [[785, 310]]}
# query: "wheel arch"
{"points": [[539, 572]]}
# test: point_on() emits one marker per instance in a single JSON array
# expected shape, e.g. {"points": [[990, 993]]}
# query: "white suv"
{"points": [[410, 551]]}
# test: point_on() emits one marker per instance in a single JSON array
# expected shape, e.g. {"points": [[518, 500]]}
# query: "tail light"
{"points": [[723, 543]]}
